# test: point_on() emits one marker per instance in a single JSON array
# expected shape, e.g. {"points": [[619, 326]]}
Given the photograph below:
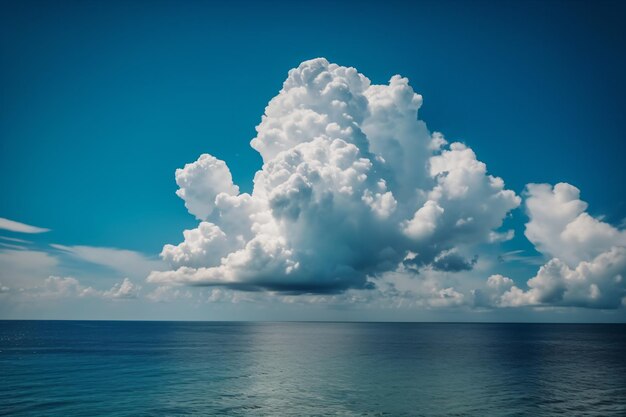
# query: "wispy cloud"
{"points": [[26, 267], [521, 256], [14, 239], [18, 227], [126, 262], [11, 246]]}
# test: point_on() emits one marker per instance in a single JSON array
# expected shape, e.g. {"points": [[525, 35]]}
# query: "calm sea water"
{"points": [[85, 368]]}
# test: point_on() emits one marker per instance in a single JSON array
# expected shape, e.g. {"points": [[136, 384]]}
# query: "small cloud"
{"points": [[519, 256], [124, 290], [501, 237], [167, 293], [55, 287], [452, 261], [14, 243], [11, 246], [447, 297], [18, 227], [14, 239]]}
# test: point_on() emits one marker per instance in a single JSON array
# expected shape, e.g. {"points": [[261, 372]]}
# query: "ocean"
{"points": [[120, 368]]}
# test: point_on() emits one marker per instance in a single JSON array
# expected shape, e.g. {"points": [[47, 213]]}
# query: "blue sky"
{"points": [[103, 101]]}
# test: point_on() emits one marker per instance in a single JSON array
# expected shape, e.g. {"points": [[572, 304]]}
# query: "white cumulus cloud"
{"points": [[68, 287], [201, 181], [352, 182], [124, 290], [588, 256]]}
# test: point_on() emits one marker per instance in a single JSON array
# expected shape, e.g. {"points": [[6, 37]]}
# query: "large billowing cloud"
{"points": [[588, 256], [352, 186]]}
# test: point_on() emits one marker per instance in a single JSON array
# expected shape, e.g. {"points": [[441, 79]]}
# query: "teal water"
{"points": [[82, 368]]}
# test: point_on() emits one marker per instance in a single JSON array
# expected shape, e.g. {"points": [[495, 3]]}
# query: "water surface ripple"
{"points": [[81, 368]]}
